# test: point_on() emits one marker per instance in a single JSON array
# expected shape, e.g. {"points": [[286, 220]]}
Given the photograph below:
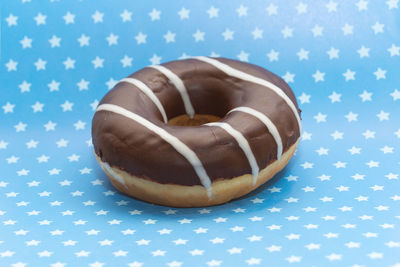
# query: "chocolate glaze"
{"points": [[128, 145]]}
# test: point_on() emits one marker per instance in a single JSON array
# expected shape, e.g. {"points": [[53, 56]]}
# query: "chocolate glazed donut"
{"points": [[195, 132]]}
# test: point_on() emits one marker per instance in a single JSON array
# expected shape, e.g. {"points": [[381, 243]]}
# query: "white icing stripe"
{"points": [[270, 125], [178, 83], [116, 176], [243, 144], [250, 78], [179, 146], [147, 91]]}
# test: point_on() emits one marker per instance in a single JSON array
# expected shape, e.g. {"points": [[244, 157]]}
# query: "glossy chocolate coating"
{"points": [[128, 145]]}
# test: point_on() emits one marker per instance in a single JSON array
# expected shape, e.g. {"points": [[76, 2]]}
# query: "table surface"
{"points": [[337, 201]]}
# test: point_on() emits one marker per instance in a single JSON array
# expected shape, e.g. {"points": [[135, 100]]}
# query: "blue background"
{"points": [[328, 207]]}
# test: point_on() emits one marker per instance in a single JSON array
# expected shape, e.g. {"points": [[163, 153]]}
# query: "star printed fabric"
{"points": [[336, 203]]}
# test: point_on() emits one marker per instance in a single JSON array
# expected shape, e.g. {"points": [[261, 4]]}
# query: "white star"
{"points": [[179, 241], [289, 77], [174, 264], [395, 94], [243, 56], [303, 54], [340, 164], [155, 60], [333, 53], [292, 199], [242, 11], [392, 176], [317, 30], [11, 65], [254, 238], [213, 263], [40, 19], [394, 50], [54, 171], [83, 85], [306, 136], [392, 4], [126, 61], [200, 230], [158, 253], [301, 8], [368, 134], [331, 6], [347, 29], [126, 16], [369, 234], [383, 116], [50, 126], [313, 246], [196, 252], [351, 116], [318, 76], [366, 96], [198, 36], [43, 158], [106, 242], [83, 40], [362, 5], [37, 107], [111, 83], [293, 259], [112, 39], [96, 264], [67, 106], [141, 38], [272, 9], [375, 255], [69, 18], [228, 34], [274, 189], [257, 200], [3, 144], [361, 198], [98, 62], [274, 209], [342, 187], [32, 243], [378, 28], [334, 257], [387, 149], [45, 253], [149, 221], [304, 98], [253, 261], [397, 133], [97, 17], [170, 211], [352, 245], [184, 13], [335, 97], [93, 105], [372, 164], [331, 235], [12, 159], [143, 242], [213, 12], [82, 253], [56, 232], [349, 75], [155, 14], [308, 189], [53, 86], [8, 108], [70, 243], [287, 32], [40, 64], [293, 236], [12, 20], [257, 33], [169, 37], [62, 143], [25, 87], [235, 250], [32, 144], [69, 63], [380, 74], [26, 42], [239, 210], [237, 228], [20, 127], [54, 41], [363, 52], [392, 244], [217, 240], [273, 248], [329, 218], [326, 199], [273, 55], [120, 253]]}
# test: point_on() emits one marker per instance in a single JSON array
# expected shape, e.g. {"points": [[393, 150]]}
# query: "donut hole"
{"points": [[197, 120]]}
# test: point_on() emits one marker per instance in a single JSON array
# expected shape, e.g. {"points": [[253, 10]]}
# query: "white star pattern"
{"points": [[335, 202]]}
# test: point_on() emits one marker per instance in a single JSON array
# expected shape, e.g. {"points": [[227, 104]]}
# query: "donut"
{"points": [[195, 132]]}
